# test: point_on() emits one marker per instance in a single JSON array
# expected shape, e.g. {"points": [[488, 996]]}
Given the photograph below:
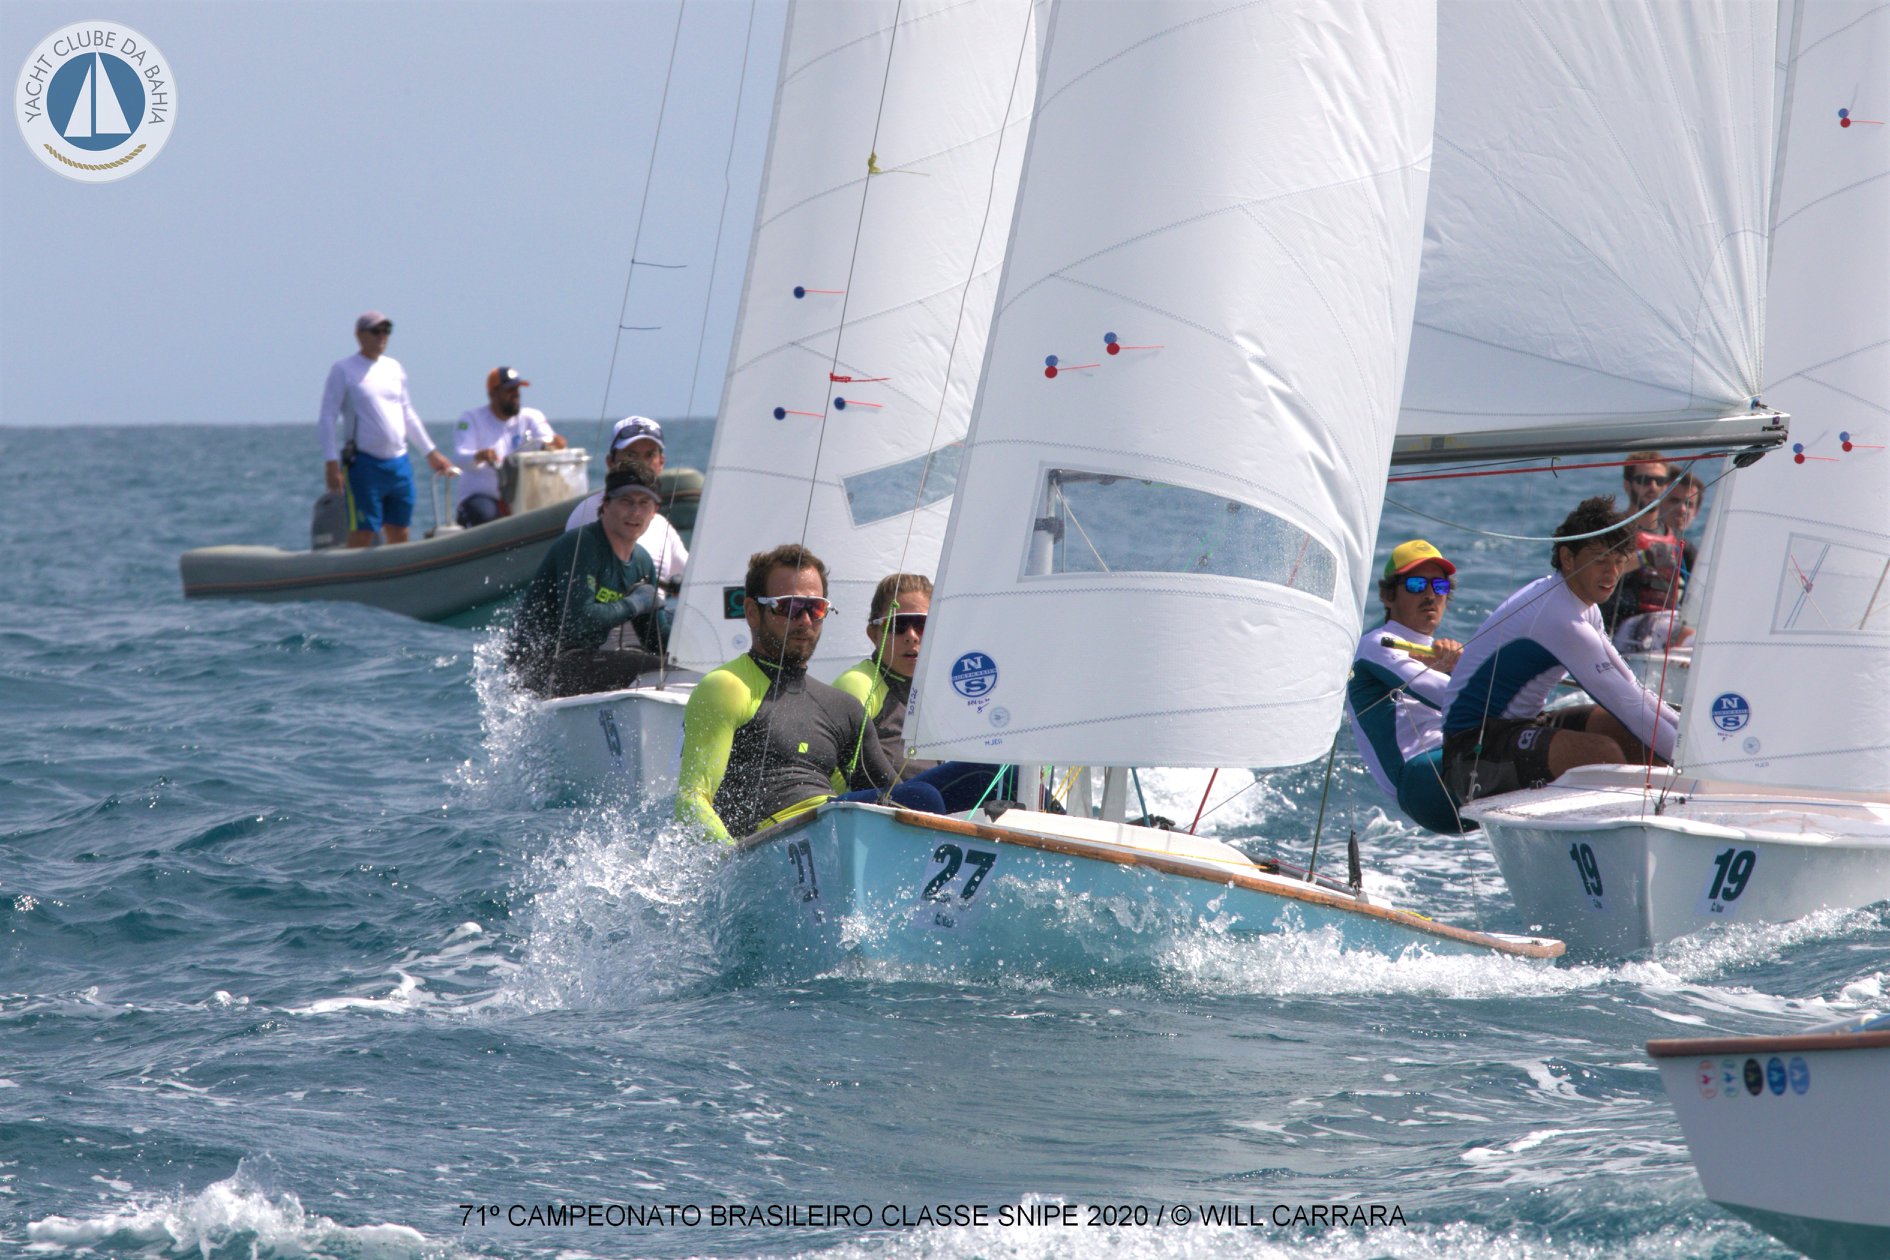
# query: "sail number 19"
{"points": [[1587, 867], [1732, 871]]}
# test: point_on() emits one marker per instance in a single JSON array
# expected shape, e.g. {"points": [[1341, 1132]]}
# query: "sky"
{"points": [[475, 169]]}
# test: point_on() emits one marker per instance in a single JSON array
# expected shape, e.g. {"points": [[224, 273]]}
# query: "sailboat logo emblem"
{"points": [[96, 101], [92, 93]]}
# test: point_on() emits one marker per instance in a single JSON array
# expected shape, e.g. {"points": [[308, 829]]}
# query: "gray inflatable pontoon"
{"points": [[458, 575]]}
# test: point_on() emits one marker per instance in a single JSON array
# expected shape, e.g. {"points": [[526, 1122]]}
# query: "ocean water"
{"points": [[301, 961]]}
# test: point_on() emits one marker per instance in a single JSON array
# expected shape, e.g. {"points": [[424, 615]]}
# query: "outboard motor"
{"points": [[329, 528]]}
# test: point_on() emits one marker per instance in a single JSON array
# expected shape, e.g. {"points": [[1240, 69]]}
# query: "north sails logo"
{"points": [[96, 101]]}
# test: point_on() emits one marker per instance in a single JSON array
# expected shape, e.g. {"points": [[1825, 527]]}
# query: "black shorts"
{"points": [[1506, 753]]}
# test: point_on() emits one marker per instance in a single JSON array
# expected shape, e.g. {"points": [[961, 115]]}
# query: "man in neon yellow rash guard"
{"points": [[763, 742]]}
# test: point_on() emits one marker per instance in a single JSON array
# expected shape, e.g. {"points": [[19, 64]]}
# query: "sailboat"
{"points": [[1164, 516], [1779, 803], [96, 112], [1787, 1131], [886, 198]]}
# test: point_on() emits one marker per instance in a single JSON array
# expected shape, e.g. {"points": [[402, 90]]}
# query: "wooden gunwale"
{"points": [[1690, 1047]]}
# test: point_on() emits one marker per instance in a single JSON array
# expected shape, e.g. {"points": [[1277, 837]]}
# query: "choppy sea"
{"points": [[300, 961]]}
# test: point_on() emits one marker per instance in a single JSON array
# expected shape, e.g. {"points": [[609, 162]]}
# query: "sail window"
{"points": [[1827, 587], [1112, 524], [882, 493]]}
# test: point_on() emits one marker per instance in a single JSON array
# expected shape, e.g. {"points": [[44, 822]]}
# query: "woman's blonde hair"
{"points": [[892, 586]]}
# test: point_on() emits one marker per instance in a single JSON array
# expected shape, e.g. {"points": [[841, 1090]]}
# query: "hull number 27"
{"points": [[945, 898]]}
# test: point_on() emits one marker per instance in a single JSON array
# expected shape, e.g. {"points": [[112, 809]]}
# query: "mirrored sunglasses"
{"points": [[788, 607], [1416, 585], [902, 622]]}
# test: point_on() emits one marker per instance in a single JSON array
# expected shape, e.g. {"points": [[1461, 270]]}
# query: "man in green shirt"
{"points": [[762, 741], [592, 580]]}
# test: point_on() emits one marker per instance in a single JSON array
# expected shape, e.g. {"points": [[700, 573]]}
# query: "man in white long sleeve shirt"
{"points": [[366, 399], [484, 437], [1496, 736]]}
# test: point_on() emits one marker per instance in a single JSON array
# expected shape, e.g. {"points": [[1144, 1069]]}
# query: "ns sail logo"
{"points": [[96, 101]]}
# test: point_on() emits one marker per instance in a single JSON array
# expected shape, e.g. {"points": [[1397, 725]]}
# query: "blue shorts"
{"points": [[379, 491]]}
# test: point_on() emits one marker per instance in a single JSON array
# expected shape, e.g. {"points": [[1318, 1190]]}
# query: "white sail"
{"points": [[79, 122], [867, 276], [1595, 241], [1790, 682], [1235, 194], [111, 115]]}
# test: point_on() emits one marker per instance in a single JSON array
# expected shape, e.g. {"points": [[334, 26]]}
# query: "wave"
{"points": [[234, 1219]]}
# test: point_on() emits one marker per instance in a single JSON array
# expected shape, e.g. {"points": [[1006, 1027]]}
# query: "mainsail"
{"points": [[1790, 683], [1595, 243], [1193, 375], [867, 301]]}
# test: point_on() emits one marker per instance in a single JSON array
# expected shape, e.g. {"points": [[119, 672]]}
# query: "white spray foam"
{"points": [[620, 914], [230, 1217]]}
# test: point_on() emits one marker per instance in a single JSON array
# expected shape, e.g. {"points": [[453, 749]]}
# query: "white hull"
{"points": [[1787, 1132], [1589, 859], [1034, 894], [616, 744]]}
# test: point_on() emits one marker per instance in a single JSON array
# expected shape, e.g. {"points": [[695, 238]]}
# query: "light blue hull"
{"points": [[1047, 895]]}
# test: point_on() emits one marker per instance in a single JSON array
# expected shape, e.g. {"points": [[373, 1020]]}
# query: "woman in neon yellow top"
{"points": [[882, 683]]}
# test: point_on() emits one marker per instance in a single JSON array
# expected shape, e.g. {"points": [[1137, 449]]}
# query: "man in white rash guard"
{"points": [[486, 435], [1496, 736], [366, 395], [1395, 696], [639, 440]]}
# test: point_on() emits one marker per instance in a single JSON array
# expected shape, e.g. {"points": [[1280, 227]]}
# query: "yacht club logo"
{"points": [[96, 101]]}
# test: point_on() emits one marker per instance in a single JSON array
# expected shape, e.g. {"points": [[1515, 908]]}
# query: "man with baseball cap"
{"points": [[1497, 735], [1395, 697], [638, 441], [592, 581], [486, 435], [366, 398]]}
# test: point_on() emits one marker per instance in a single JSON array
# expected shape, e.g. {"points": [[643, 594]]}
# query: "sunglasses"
{"points": [[1415, 585], [788, 607], [381, 330], [1647, 479], [902, 622]]}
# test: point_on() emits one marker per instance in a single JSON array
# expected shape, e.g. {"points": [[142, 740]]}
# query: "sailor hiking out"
{"points": [[762, 741], [1497, 737], [1395, 696]]}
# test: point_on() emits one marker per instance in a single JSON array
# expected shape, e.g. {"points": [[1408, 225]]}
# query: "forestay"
{"points": [[1790, 681], [1595, 241], [884, 278], [1232, 196]]}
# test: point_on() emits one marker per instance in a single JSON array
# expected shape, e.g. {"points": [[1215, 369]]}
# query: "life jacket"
{"points": [[1657, 584]]}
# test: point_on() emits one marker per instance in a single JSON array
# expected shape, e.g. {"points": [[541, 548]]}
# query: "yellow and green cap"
{"points": [[1407, 556]]}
